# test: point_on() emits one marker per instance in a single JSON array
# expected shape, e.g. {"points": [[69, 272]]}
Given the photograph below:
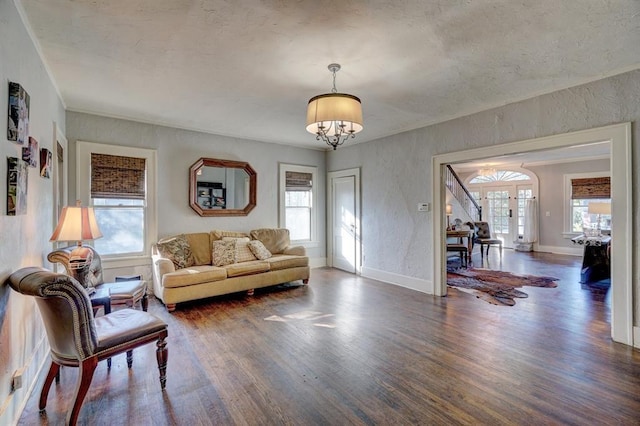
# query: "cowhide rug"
{"points": [[496, 287]]}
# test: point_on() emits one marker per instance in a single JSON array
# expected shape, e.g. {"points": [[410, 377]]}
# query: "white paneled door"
{"points": [[344, 223]]}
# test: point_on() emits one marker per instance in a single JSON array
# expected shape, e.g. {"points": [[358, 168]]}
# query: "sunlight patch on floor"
{"points": [[305, 316]]}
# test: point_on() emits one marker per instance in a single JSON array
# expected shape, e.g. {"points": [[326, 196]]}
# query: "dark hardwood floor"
{"points": [[349, 350]]}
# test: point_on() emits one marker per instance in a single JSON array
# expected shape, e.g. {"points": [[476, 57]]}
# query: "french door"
{"points": [[503, 208]]}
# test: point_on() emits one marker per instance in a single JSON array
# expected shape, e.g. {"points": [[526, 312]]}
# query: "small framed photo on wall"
{"points": [[30, 153], [45, 163], [18, 122], [17, 173]]}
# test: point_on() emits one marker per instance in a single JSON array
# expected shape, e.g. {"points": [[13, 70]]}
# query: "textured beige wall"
{"points": [[396, 171]]}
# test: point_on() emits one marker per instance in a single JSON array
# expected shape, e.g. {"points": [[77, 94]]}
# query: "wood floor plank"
{"points": [[349, 350]]}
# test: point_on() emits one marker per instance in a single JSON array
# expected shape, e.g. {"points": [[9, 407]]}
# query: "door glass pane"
{"points": [[523, 195], [498, 202]]}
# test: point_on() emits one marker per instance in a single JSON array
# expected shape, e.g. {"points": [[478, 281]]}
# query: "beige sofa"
{"points": [[199, 265]]}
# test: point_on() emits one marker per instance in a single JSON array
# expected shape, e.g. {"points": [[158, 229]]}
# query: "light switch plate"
{"points": [[423, 207]]}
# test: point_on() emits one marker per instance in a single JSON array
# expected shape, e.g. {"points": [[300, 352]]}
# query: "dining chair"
{"points": [[484, 238]]}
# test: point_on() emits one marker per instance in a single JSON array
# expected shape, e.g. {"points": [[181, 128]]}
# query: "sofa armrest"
{"points": [[295, 251], [159, 267], [163, 265]]}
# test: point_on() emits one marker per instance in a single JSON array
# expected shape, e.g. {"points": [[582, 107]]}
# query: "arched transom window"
{"points": [[500, 176]]}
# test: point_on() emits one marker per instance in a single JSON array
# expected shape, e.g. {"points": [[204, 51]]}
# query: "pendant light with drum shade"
{"points": [[334, 117]]}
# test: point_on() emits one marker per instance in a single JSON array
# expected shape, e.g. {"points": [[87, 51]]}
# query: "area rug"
{"points": [[496, 287]]}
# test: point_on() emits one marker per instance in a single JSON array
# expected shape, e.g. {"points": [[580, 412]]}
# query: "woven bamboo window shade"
{"points": [[298, 181], [114, 176], [591, 188]]}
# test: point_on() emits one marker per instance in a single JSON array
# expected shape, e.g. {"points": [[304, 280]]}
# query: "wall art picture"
{"points": [[18, 123], [17, 173], [45, 163], [30, 153]]}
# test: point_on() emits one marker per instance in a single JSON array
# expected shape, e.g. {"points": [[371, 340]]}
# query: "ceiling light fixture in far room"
{"points": [[487, 171], [334, 117]]}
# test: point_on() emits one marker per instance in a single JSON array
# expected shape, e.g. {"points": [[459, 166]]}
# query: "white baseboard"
{"points": [[636, 337], [14, 405], [572, 251], [418, 284], [317, 262]]}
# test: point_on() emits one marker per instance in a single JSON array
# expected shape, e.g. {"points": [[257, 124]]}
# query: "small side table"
{"points": [[595, 260], [101, 297]]}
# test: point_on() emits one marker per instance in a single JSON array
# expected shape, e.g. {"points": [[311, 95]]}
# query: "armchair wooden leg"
{"points": [[171, 307], [145, 302], [306, 281], [162, 355], [87, 368], [129, 359], [52, 374]]}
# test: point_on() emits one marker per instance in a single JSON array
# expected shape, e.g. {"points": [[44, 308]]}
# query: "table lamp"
{"points": [[77, 223], [449, 212], [599, 209]]}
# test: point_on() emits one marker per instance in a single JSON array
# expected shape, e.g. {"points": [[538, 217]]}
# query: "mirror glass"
{"points": [[222, 187]]}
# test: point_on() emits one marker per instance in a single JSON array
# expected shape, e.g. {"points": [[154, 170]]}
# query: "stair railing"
{"points": [[461, 193]]}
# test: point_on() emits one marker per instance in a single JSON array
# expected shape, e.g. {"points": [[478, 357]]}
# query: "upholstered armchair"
{"points": [[127, 293], [484, 238], [77, 339]]}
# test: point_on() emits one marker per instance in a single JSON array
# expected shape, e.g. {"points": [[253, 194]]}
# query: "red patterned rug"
{"points": [[496, 287]]}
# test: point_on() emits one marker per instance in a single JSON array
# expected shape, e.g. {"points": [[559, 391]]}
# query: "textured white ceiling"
{"points": [[246, 68]]}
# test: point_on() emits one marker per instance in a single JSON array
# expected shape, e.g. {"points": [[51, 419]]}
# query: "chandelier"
{"points": [[334, 117], [487, 171]]}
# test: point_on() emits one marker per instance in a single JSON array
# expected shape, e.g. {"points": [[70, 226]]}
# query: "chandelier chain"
{"points": [[334, 90]]}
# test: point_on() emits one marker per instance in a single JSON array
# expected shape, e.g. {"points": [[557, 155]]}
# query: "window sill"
{"points": [[569, 235], [306, 244], [125, 262]]}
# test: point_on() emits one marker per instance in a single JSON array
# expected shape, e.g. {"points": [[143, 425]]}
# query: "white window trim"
{"points": [[567, 233], [283, 169], [83, 193]]}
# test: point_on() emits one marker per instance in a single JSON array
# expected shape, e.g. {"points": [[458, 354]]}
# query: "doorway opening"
{"points": [[619, 136]]}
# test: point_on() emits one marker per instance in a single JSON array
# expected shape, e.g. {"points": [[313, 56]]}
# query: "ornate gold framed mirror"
{"points": [[222, 187]]}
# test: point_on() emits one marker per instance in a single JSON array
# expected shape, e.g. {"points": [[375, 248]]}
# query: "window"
{"points": [[581, 190], [581, 218], [524, 194], [118, 182], [298, 201]]}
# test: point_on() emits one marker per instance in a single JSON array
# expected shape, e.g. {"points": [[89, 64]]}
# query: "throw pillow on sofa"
{"points": [[243, 253], [223, 253], [178, 250], [259, 250]]}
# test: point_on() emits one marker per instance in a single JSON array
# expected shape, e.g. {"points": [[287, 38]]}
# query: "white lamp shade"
{"points": [[76, 224], [449, 209], [325, 110], [599, 208]]}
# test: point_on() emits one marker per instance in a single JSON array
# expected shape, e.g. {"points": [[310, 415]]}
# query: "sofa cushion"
{"points": [[178, 250], [200, 247], [218, 234], [223, 253], [243, 254], [193, 275], [247, 268], [259, 250], [276, 240], [284, 261]]}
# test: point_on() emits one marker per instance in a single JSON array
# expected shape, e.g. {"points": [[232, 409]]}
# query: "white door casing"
{"points": [[343, 214], [619, 135]]}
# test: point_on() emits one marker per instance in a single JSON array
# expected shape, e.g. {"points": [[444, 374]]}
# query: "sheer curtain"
{"points": [[530, 234]]}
